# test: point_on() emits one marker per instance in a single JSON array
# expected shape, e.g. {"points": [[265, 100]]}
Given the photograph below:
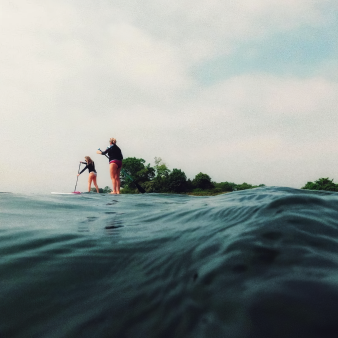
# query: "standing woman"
{"points": [[115, 164], [92, 172]]}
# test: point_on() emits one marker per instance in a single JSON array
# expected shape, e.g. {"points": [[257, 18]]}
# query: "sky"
{"points": [[244, 91]]}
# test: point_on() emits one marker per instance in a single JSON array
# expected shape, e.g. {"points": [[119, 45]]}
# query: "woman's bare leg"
{"points": [[113, 169], [95, 184], [118, 181], [89, 182]]}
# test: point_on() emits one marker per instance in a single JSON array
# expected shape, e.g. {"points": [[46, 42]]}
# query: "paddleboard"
{"points": [[66, 193]]}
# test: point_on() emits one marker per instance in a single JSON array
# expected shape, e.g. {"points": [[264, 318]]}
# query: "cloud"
{"points": [[59, 57], [75, 73], [143, 60], [265, 120], [266, 95], [208, 28]]}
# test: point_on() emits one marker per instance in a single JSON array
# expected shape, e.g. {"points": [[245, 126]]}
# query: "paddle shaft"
{"points": [[77, 177]]}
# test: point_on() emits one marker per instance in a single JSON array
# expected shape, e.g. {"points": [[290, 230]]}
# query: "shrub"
{"points": [[101, 191], [244, 186], [226, 186], [106, 190], [321, 184]]}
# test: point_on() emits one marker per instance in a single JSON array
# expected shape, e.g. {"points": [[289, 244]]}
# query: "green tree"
{"points": [[321, 184], [132, 165], [145, 174], [158, 183], [177, 181], [140, 173], [161, 168], [189, 185], [202, 181]]}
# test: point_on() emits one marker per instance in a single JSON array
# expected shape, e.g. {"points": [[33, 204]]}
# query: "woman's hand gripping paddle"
{"points": [[77, 192]]}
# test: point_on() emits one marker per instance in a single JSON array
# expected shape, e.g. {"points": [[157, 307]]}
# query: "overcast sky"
{"points": [[244, 91]]}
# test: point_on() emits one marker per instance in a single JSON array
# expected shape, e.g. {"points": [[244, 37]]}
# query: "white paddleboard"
{"points": [[66, 193]]}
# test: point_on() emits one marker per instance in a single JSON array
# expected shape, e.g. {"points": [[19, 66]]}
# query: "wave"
{"points": [[252, 263]]}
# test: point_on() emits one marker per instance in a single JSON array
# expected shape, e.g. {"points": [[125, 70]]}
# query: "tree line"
{"points": [[160, 179]]}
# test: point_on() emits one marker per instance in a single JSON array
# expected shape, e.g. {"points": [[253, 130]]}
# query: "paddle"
{"points": [[140, 189], [77, 179]]}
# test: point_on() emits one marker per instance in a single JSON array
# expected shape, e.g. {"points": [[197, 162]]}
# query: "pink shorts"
{"points": [[118, 162]]}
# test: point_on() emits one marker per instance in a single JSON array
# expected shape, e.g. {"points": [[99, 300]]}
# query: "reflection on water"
{"points": [[114, 224]]}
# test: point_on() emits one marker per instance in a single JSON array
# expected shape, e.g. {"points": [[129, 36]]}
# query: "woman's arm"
{"points": [[105, 152], [83, 170]]}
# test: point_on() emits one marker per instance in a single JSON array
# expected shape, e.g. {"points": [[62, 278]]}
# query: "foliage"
{"points": [[149, 186], [202, 181], [161, 168], [145, 174], [321, 184], [129, 190], [135, 168], [107, 190], [158, 184], [177, 181], [132, 165], [159, 179], [189, 185], [225, 186], [100, 190], [244, 186], [201, 192]]}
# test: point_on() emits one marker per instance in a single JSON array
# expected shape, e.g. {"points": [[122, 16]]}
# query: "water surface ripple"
{"points": [[253, 263]]}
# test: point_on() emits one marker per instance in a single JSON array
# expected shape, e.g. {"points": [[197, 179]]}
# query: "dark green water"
{"points": [[255, 263]]}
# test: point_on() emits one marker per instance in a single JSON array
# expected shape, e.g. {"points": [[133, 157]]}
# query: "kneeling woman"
{"points": [[92, 173], [115, 164]]}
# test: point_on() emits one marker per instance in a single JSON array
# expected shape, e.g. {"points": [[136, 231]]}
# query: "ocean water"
{"points": [[253, 263]]}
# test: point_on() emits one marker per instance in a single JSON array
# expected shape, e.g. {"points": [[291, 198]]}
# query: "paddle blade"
{"points": [[76, 192], [140, 189]]}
